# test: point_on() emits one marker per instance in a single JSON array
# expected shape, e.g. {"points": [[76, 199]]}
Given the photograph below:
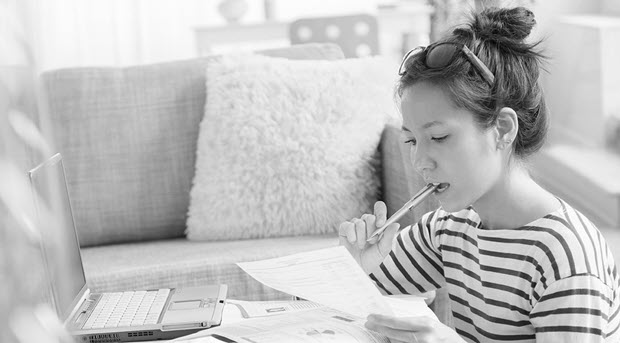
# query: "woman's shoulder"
{"points": [[567, 225], [572, 243]]}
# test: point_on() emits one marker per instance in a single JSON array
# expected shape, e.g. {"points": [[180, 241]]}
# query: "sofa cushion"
{"points": [[128, 137], [179, 262], [288, 147]]}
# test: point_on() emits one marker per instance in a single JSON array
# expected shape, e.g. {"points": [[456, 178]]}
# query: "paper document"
{"points": [[312, 326], [250, 309], [330, 277], [315, 325]]}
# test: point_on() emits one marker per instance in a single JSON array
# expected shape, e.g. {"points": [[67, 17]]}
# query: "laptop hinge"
{"points": [[84, 302]]}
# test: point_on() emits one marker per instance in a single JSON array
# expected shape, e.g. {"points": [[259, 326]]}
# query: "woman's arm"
{"points": [[578, 308]]}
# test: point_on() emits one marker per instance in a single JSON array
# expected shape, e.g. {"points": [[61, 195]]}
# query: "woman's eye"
{"points": [[439, 139], [411, 141]]}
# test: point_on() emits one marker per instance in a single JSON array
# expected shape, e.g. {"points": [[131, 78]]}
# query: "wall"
{"points": [[567, 71], [611, 7]]}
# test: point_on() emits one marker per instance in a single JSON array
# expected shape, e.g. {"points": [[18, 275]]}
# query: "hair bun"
{"points": [[501, 23]]}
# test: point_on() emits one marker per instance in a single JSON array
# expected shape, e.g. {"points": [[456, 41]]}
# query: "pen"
{"points": [[413, 202]]}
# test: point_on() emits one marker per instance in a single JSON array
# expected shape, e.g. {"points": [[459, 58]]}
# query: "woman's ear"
{"points": [[507, 126]]}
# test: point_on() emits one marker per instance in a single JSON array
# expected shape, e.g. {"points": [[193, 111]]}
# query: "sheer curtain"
{"points": [[77, 33], [124, 32], [117, 32]]}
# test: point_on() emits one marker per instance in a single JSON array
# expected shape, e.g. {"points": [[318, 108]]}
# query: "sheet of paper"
{"points": [[330, 277], [312, 326], [251, 309]]}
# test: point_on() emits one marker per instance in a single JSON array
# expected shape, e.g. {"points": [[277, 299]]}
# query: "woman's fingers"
{"points": [[360, 232], [401, 323], [346, 232], [395, 335], [409, 329], [370, 220], [380, 213], [357, 230], [413, 329]]}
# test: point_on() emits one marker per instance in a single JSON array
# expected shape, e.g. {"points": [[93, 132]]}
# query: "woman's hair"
{"points": [[497, 37]]}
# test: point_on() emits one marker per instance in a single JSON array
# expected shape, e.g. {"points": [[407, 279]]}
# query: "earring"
{"points": [[503, 144]]}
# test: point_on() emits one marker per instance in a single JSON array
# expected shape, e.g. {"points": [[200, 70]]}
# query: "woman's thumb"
{"points": [[385, 244]]}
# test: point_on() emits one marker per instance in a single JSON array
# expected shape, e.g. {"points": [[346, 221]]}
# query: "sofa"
{"points": [[128, 138]]}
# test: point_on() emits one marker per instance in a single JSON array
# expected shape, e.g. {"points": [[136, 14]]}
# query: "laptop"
{"points": [[143, 315]]}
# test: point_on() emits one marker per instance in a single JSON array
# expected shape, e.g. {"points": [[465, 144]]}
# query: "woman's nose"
{"points": [[422, 162]]}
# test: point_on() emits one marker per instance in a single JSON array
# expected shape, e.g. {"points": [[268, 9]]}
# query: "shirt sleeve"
{"points": [[574, 309], [414, 263]]}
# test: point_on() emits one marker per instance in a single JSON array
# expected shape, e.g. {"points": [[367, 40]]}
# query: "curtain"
{"points": [[70, 33]]}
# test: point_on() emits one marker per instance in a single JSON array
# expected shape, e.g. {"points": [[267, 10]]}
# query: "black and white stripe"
{"points": [[553, 280]]}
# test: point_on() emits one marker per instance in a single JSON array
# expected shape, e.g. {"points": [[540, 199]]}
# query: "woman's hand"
{"points": [[412, 329], [353, 235]]}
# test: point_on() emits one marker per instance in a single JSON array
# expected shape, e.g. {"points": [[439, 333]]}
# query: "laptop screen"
{"points": [[60, 242]]}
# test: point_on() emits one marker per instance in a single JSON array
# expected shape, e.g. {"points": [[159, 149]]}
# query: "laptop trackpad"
{"points": [[200, 305], [184, 305]]}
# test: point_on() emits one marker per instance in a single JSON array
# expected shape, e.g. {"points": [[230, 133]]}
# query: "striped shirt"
{"points": [[553, 280]]}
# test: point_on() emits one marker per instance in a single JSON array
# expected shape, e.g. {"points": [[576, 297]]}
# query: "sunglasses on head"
{"points": [[441, 55]]}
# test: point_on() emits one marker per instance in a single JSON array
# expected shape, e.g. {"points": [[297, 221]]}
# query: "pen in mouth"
{"points": [[442, 187], [415, 201]]}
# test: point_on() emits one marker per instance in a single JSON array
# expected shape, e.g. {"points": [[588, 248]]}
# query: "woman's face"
{"points": [[447, 145]]}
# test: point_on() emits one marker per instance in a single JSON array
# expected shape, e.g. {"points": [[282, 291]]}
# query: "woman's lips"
{"points": [[442, 187]]}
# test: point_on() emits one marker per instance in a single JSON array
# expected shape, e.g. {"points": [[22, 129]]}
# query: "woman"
{"points": [[519, 264]]}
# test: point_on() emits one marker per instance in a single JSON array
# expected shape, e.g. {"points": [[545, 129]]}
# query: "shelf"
{"points": [[411, 22]]}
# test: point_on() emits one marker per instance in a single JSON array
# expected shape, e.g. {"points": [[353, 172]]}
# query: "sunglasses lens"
{"points": [[408, 59], [441, 55]]}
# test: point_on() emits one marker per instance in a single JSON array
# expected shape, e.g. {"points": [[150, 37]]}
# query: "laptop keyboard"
{"points": [[127, 309]]}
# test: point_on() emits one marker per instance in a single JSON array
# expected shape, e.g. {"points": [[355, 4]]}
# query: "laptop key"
{"points": [[127, 309]]}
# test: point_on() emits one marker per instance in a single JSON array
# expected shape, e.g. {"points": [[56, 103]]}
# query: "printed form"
{"points": [[330, 277], [312, 326]]}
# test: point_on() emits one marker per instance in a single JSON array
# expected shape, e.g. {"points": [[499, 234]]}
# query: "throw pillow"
{"points": [[288, 147]]}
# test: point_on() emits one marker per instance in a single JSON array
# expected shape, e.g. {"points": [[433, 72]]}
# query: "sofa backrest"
{"points": [[128, 136]]}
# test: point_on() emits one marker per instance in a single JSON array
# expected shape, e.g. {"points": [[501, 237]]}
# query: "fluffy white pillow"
{"points": [[288, 147]]}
